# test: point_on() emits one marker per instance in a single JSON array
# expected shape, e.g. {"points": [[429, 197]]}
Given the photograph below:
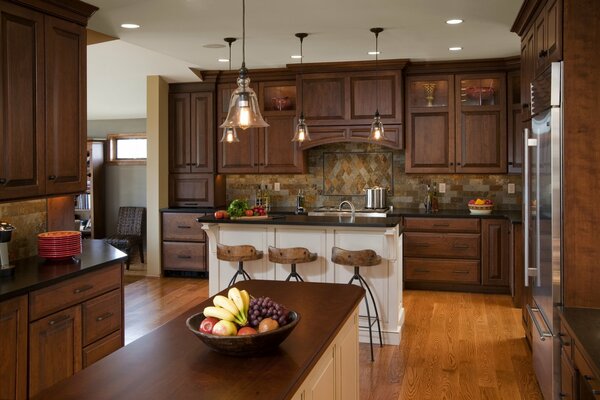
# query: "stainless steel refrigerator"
{"points": [[542, 197]]}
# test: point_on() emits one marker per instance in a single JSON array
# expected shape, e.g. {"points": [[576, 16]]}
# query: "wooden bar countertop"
{"points": [[171, 363]]}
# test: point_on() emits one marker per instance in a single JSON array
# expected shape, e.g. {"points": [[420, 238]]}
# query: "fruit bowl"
{"points": [[246, 345], [482, 209]]}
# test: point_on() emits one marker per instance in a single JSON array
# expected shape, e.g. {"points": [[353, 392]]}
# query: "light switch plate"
{"points": [[276, 187], [442, 188], [511, 188]]}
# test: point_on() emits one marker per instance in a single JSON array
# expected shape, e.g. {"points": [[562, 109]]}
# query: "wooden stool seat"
{"points": [[293, 256], [357, 259], [239, 254]]}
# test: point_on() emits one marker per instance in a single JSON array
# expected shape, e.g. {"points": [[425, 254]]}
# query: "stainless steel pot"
{"points": [[375, 197]]}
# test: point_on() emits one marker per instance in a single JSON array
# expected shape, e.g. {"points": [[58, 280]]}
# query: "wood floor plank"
{"points": [[463, 346]]}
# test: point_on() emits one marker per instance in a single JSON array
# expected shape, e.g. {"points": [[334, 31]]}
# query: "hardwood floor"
{"points": [[454, 345]]}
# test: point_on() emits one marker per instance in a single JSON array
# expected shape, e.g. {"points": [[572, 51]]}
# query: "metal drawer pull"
{"points": [[59, 319], [446, 224], [421, 245], [190, 204], [543, 335], [104, 316], [184, 257], [422, 270], [184, 227], [82, 289], [461, 246], [460, 272], [562, 342]]}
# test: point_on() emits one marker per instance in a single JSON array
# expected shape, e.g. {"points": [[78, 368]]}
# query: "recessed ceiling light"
{"points": [[213, 46], [454, 21], [223, 60], [296, 56], [372, 53], [457, 48], [130, 26]]}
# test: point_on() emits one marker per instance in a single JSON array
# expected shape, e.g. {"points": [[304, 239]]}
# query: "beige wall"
{"points": [[157, 167]]}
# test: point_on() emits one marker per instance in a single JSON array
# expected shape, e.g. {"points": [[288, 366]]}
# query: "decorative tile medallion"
{"points": [[347, 174]]}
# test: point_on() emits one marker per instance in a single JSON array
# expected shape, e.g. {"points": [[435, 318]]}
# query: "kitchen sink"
{"points": [[335, 212]]}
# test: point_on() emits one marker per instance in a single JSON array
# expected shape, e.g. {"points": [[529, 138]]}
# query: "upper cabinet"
{"points": [[339, 106], [515, 123], [43, 99], [547, 31], [456, 124], [266, 150]]}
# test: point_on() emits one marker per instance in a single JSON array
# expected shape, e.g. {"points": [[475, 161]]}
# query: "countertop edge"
{"points": [[565, 319]]}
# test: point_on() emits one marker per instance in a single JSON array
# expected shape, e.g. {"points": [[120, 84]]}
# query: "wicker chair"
{"points": [[131, 226]]}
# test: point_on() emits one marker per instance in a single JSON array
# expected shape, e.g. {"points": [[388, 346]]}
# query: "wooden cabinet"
{"points": [[468, 254], [192, 178], [13, 348], [494, 252], [547, 30], [568, 377], [515, 123], [267, 150], [72, 324], [184, 245], [456, 124], [527, 72], [516, 263]]}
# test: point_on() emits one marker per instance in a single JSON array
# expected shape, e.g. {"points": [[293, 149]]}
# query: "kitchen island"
{"points": [[319, 235], [171, 363]]}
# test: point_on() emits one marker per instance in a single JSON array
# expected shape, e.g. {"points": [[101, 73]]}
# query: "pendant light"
{"points": [[376, 125], [229, 132], [243, 106], [301, 133]]}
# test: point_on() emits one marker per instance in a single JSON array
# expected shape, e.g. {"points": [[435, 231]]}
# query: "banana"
{"points": [[235, 296], [224, 302], [246, 299], [219, 313]]}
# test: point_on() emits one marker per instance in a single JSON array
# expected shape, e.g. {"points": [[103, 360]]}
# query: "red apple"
{"points": [[224, 328], [471, 201], [207, 324], [219, 215], [247, 330], [249, 213]]}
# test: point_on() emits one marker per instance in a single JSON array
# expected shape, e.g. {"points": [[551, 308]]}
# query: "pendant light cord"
{"points": [[243, 33], [376, 73], [301, 79]]}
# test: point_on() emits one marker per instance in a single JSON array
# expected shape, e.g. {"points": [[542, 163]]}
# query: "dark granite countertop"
{"points": [[310, 220], [207, 210], [513, 216], [35, 273], [585, 325]]}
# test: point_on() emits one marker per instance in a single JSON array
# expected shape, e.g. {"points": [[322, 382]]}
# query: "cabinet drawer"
{"points": [[56, 297], [434, 270], [447, 245], [101, 316], [442, 224], [587, 374], [102, 348], [184, 256], [182, 227], [566, 342]]}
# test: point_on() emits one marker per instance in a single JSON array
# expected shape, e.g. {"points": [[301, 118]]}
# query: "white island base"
{"points": [[384, 279]]}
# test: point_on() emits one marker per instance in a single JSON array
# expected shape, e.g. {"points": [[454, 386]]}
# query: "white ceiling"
{"points": [[174, 32]]}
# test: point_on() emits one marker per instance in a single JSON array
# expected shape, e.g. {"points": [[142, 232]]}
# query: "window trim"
{"points": [[112, 138]]}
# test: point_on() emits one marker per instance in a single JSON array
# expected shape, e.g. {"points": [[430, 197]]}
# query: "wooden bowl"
{"points": [[246, 345]]}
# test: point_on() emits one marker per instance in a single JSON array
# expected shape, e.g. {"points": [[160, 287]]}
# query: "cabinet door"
{"points": [[325, 101], [21, 102], [515, 124], [278, 154], [494, 252], [13, 348], [554, 30], [54, 349], [540, 52], [193, 190], [481, 124], [241, 157], [65, 106], [202, 137], [322, 384], [370, 91], [430, 124], [527, 72], [179, 132], [567, 378]]}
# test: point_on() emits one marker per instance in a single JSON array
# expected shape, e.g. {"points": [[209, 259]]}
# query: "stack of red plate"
{"points": [[59, 244]]}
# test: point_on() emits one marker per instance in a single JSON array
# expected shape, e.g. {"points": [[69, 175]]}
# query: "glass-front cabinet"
{"points": [[481, 92], [429, 93]]}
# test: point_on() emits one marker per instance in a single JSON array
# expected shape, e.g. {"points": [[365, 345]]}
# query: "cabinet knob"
{"points": [[525, 105], [510, 163], [2, 181], [52, 177], [451, 163], [543, 53], [457, 163]]}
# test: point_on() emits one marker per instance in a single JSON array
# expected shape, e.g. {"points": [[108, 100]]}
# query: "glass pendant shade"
{"points": [[377, 132], [243, 108], [229, 135], [301, 134]]}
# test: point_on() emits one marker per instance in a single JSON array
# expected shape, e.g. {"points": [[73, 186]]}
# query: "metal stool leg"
{"points": [[294, 274], [357, 277], [375, 307], [241, 272]]}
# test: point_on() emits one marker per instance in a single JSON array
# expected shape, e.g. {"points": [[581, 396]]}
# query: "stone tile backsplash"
{"points": [[29, 217], [324, 166]]}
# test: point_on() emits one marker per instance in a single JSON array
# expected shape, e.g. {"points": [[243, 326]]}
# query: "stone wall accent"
{"points": [[409, 190], [29, 217]]}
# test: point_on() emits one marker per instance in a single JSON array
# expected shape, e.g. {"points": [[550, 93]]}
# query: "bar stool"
{"points": [[238, 254], [293, 256], [357, 259]]}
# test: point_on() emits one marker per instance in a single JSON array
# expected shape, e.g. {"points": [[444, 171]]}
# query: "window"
{"points": [[127, 148]]}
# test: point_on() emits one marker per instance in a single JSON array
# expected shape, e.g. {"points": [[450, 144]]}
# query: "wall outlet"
{"points": [[511, 188], [442, 187], [276, 187]]}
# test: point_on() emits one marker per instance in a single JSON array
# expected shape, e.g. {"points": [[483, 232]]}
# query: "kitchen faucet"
{"points": [[352, 208]]}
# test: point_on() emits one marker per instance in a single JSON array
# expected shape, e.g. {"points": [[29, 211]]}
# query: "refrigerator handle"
{"points": [[538, 327], [526, 168]]}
